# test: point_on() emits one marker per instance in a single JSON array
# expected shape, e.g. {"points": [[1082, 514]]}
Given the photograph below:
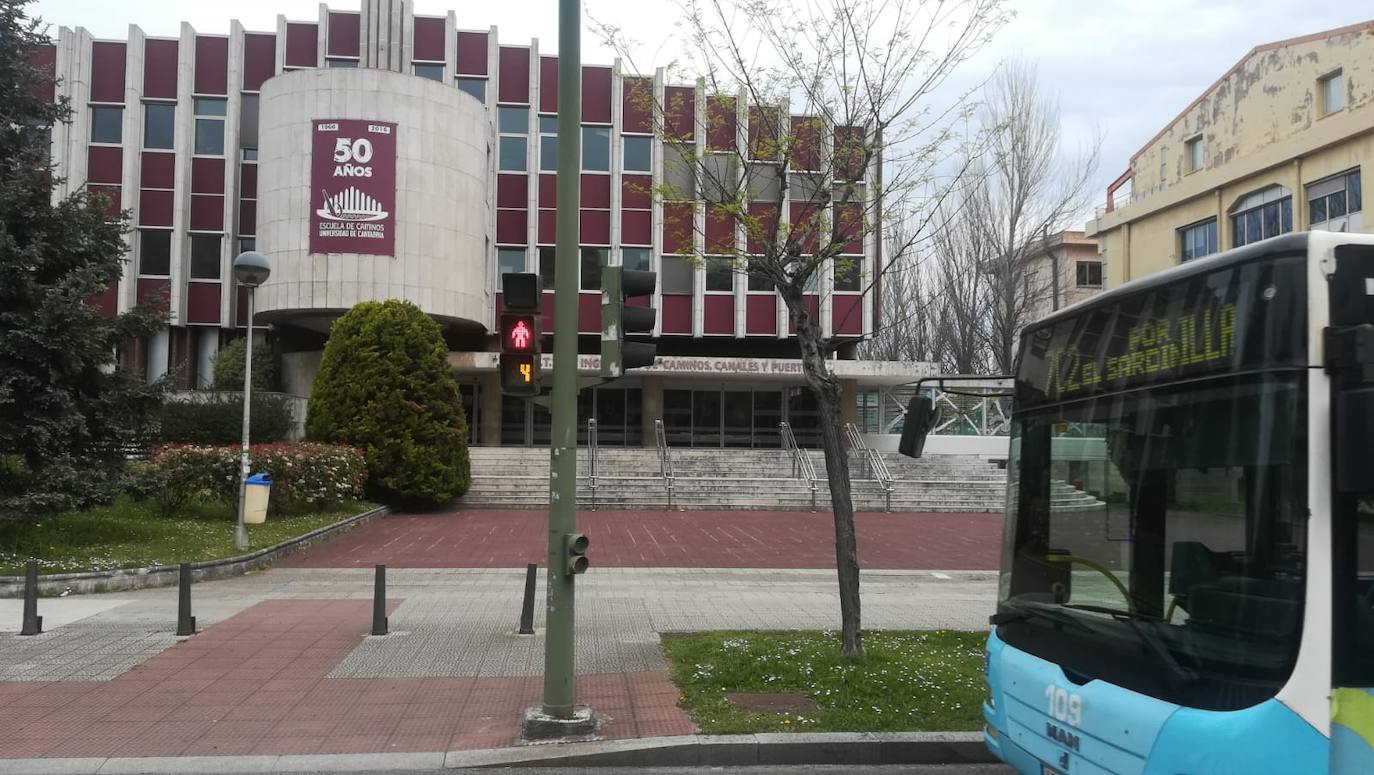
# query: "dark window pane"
{"points": [[1354, 195], [548, 125], [706, 416], [154, 253], [107, 125], [849, 273], [1211, 231], [205, 260], [477, 87], [1254, 226], [548, 153], [247, 243], [433, 72], [1285, 217], [1238, 229], [1335, 205], [508, 260], [513, 121], [720, 275], [635, 258], [210, 137], [546, 267], [207, 107], [596, 148], [638, 154], [767, 415], [592, 261], [1317, 210], [1271, 219], [738, 418], [248, 122], [341, 63], [677, 417], [677, 275], [513, 154], [158, 121]]}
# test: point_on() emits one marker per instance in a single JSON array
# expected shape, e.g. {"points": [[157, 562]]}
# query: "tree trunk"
{"points": [[827, 391]]}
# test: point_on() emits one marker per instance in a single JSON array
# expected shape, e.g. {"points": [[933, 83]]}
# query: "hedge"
{"points": [[304, 476], [218, 419]]}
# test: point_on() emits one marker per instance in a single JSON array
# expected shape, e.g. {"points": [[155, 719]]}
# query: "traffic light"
{"points": [[618, 354], [576, 556], [521, 320]]}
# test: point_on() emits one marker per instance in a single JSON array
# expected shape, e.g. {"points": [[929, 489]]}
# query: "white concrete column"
{"points": [[450, 48], [233, 158], [159, 346], [657, 123], [699, 214], [207, 344], [130, 180], [185, 147]]}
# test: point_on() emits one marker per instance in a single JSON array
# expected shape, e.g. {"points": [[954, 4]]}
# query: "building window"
{"points": [[720, 177], [1263, 214], [205, 260], [677, 275], [765, 182], [1089, 274], [596, 148], [340, 63], [635, 259], [679, 171], [1192, 151], [107, 124], [547, 261], [548, 143], [514, 125], [248, 122], [849, 273], [477, 87], [1197, 240], [638, 153], [209, 127], [508, 260], [247, 244], [720, 275], [1332, 89], [159, 121], [1333, 203], [757, 280], [592, 260], [154, 252], [250, 154], [430, 70]]}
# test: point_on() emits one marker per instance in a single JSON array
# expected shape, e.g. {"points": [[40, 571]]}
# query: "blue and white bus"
{"points": [[1187, 580]]}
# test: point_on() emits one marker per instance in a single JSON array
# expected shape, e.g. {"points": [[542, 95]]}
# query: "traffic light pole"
{"points": [[560, 616]]}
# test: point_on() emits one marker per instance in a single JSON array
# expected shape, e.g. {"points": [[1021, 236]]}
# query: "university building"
{"points": [[1277, 144], [379, 154]]}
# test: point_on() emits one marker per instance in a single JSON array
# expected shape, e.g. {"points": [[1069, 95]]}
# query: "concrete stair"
{"points": [[629, 478]]}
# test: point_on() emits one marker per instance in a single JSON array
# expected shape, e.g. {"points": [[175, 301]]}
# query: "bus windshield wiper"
{"points": [[1148, 636], [1022, 610]]}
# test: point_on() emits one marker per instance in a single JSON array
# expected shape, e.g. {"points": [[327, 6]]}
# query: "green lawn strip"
{"points": [[906, 680], [131, 534]]}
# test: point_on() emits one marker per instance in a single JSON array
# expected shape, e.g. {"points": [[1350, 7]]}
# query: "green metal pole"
{"points": [[560, 620]]}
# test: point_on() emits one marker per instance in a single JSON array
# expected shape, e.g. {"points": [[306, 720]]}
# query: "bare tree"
{"points": [[816, 112]]}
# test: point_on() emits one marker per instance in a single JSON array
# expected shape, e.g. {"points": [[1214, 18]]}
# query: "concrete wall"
{"points": [[442, 202]]}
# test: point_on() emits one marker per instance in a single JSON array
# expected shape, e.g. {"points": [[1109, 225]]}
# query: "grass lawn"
{"points": [[130, 534], [906, 681]]}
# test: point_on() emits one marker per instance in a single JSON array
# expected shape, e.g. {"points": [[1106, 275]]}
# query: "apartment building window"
{"points": [[1192, 150], [1089, 274], [209, 127], [1263, 214], [635, 259], [477, 87], [757, 280], [159, 122], [1332, 88], [638, 153], [514, 125], [679, 171], [546, 267], [107, 124], [154, 252], [248, 123], [848, 273], [205, 259], [596, 149], [592, 261], [548, 143], [508, 260], [765, 182], [434, 71], [677, 275], [1334, 204], [720, 275], [1196, 241]]}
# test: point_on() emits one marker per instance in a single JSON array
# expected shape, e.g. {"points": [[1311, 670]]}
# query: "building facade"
{"points": [[379, 154], [1277, 144], [1066, 269]]}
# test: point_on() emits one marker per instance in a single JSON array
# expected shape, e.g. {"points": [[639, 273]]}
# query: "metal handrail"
{"points": [[665, 459], [801, 462], [873, 462], [591, 459]]}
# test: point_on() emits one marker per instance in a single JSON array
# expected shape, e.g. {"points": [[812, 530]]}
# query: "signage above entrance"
{"points": [[786, 369], [353, 187]]}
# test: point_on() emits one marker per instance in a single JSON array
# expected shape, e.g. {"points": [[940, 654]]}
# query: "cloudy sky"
{"points": [[1121, 67]]}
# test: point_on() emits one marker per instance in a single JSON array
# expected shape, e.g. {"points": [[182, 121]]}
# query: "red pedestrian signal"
{"points": [[520, 330], [520, 335]]}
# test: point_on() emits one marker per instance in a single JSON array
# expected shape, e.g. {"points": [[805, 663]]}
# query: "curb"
{"points": [[123, 579], [824, 748]]}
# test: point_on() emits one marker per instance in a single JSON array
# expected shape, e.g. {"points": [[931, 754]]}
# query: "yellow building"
{"points": [[1276, 144]]}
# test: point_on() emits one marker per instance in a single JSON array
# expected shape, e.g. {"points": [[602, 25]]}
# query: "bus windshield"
{"points": [[1155, 537]]}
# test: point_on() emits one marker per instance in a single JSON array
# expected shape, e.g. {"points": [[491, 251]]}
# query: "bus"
{"points": [[1187, 578]]}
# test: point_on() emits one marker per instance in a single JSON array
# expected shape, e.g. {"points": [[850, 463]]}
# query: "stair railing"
{"points": [[591, 459], [874, 464], [665, 459], [801, 462]]}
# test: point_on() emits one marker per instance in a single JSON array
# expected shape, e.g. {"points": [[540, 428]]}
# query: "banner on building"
{"points": [[353, 187]]}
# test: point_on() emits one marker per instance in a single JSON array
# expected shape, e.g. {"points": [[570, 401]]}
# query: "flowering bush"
{"points": [[304, 476]]}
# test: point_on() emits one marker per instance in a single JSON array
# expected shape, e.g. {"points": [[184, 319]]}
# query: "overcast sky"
{"points": [[1124, 67]]}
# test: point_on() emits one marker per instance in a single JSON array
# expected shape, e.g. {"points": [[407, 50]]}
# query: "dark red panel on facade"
{"points": [[589, 313], [548, 190], [636, 192], [104, 164], [806, 143], [677, 227], [207, 213], [212, 65], [547, 317], [160, 69], [429, 38], [636, 227], [849, 152], [805, 224], [849, 223], [248, 181], [472, 53], [159, 170], [207, 176], [107, 72], [107, 301], [677, 313], [259, 60], [248, 216], [764, 126], [596, 191], [847, 315], [637, 105], [548, 226], [512, 191], [510, 227], [763, 219], [202, 303], [154, 208], [114, 201], [514, 75], [720, 230], [680, 108], [718, 314], [548, 84], [44, 58], [154, 289], [596, 95], [761, 315], [594, 227], [345, 34], [302, 44], [240, 306], [721, 122]]}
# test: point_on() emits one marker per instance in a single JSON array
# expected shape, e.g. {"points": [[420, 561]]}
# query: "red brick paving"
{"points": [[256, 684], [484, 538]]}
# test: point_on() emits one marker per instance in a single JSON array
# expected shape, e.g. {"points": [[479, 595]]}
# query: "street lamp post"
{"points": [[250, 270]]}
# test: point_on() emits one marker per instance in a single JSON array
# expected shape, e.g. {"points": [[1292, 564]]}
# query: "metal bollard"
{"points": [[186, 623], [33, 623], [379, 602], [527, 610]]}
